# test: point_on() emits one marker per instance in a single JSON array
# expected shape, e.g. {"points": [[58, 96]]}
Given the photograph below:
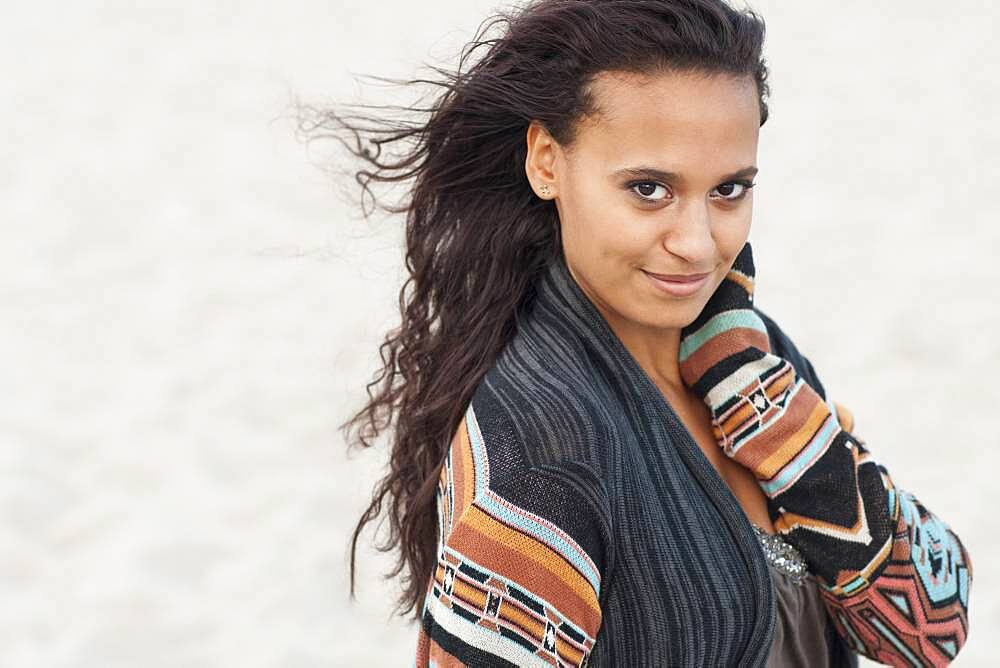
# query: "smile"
{"points": [[677, 288]]}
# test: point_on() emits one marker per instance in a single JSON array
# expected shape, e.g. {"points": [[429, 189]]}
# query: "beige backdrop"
{"points": [[190, 307]]}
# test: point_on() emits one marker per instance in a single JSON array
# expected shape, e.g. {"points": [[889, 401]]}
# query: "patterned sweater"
{"points": [[581, 524]]}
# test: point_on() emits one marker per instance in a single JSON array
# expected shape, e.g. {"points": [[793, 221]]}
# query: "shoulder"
{"points": [[536, 454], [522, 554], [538, 415], [783, 346], [526, 457]]}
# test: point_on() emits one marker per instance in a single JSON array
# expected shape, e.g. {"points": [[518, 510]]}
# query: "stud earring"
{"points": [[545, 189]]}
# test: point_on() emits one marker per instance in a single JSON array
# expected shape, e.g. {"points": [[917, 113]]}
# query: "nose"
{"points": [[689, 234]]}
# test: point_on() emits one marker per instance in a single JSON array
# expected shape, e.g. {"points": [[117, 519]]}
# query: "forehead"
{"points": [[672, 117]]}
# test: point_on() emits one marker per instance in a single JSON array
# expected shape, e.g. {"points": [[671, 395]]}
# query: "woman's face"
{"points": [[657, 182]]}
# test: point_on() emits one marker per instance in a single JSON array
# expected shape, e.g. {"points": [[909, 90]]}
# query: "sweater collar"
{"points": [[560, 298], [561, 301]]}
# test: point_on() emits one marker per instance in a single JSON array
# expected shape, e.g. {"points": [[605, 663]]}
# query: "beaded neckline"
{"points": [[782, 555]]}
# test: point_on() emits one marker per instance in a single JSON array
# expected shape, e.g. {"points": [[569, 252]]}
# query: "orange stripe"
{"points": [[569, 653], [474, 595], [534, 565], [468, 467], [471, 594], [527, 622], [803, 416], [744, 412], [463, 471], [551, 559], [742, 280], [723, 345], [739, 420]]}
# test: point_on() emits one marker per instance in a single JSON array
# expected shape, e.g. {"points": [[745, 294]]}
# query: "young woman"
{"points": [[605, 453]]}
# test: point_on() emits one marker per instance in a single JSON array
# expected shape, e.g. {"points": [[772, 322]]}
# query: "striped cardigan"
{"points": [[581, 524]]}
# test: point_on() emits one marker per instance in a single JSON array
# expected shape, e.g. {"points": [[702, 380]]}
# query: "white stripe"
{"points": [[770, 424], [736, 381], [482, 638]]}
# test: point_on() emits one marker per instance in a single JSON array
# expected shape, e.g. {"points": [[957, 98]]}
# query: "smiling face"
{"points": [[655, 183]]}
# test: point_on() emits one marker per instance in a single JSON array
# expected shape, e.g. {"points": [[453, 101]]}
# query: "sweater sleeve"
{"points": [[519, 564], [893, 575]]}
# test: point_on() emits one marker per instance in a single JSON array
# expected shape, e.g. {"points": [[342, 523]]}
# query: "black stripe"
{"points": [[458, 648]]}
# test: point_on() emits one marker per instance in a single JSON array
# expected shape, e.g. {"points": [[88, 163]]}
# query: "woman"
{"points": [[605, 453]]}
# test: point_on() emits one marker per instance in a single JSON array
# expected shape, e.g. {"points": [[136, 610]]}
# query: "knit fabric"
{"points": [[581, 524], [894, 576]]}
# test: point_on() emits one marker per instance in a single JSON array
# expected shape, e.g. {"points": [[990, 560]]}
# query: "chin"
{"points": [[677, 317]]}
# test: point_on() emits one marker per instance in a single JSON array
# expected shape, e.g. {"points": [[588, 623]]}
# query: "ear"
{"points": [[540, 163]]}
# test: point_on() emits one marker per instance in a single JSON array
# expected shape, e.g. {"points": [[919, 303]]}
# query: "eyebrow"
{"points": [[659, 174]]}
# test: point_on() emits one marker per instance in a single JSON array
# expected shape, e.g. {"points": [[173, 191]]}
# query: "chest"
{"points": [[740, 480], [687, 579]]}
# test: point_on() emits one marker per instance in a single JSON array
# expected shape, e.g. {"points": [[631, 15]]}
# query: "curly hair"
{"points": [[476, 236]]}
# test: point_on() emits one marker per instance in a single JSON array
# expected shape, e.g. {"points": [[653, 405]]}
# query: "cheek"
{"points": [[715, 285], [606, 235], [623, 245], [731, 241]]}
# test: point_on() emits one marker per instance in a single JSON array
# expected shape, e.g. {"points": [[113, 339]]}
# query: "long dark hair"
{"points": [[476, 236]]}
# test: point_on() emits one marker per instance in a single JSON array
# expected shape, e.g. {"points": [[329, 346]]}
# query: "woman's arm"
{"points": [[519, 564], [895, 578]]}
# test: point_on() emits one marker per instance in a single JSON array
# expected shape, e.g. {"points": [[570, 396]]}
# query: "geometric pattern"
{"points": [[914, 612], [501, 570], [894, 577], [511, 588]]}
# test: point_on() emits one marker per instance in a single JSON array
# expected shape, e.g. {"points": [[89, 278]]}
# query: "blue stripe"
{"points": [[854, 584], [526, 524], [799, 462], [859, 646], [903, 649], [741, 317]]}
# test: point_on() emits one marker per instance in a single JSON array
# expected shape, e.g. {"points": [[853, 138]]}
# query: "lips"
{"points": [[688, 286], [679, 278]]}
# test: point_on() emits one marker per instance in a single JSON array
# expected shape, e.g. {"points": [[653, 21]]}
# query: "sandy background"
{"points": [[190, 307]]}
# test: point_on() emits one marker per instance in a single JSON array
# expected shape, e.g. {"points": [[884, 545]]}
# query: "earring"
{"points": [[545, 189]]}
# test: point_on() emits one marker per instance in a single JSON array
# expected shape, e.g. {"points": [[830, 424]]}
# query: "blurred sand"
{"points": [[189, 309]]}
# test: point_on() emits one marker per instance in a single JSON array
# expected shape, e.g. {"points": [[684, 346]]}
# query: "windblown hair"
{"points": [[476, 236]]}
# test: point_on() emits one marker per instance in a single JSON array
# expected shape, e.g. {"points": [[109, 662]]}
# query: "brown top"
{"points": [[801, 631]]}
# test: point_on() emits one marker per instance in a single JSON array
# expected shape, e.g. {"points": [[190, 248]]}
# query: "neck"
{"points": [[655, 350]]}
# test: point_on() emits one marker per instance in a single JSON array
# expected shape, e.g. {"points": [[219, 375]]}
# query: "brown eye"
{"points": [[645, 190], [740, 187]]}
